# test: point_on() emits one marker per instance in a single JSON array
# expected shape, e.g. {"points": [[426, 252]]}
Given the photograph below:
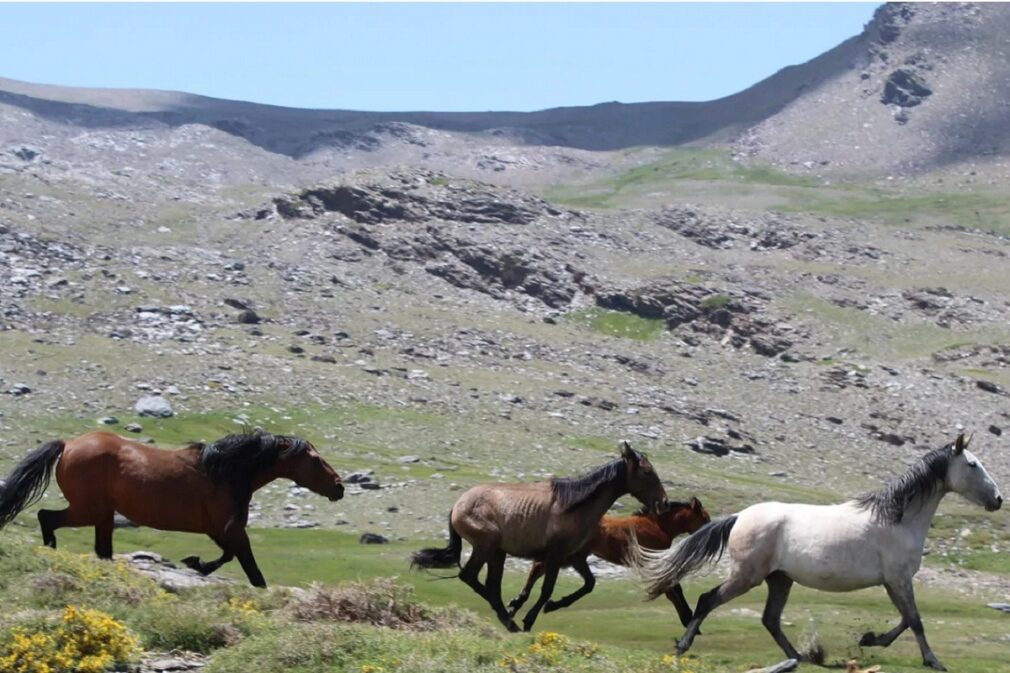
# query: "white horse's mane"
{"points": [[922, 480]]}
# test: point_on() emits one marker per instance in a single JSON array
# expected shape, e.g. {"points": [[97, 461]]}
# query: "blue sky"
{"points": [[422, 56]]}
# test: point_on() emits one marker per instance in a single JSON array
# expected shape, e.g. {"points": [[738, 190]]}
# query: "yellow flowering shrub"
{"points": [[82, 641]]}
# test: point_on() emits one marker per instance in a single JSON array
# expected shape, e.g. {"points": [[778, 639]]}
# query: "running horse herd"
{"points": [[874, 539]]}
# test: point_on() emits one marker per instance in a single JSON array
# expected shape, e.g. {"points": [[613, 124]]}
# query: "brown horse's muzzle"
{"points": [[338, 493]]}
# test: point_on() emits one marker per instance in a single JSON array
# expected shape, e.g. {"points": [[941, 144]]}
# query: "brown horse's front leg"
{"points": [[581, 566], [536, 572], [207, 567], [237, 542]]}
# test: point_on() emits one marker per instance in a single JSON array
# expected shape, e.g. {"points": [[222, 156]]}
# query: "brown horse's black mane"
{"points": [[237, 459], [922, 480], [570, 492]]}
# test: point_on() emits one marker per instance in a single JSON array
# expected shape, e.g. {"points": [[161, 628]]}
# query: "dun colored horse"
{"points": [[653, 529], [203, 488], [546, 521], [874, 539]]}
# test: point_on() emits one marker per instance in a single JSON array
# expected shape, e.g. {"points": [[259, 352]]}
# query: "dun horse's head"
{"points": [[967, 477], [308, 469], [641, 478], [682, 517]]}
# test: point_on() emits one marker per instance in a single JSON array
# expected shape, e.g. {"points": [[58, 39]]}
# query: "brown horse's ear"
{"points": [[629, 453], [696, 504], [960, 443]]}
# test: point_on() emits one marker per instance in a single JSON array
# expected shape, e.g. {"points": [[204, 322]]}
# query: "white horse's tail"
{"points": [[661, 569]]}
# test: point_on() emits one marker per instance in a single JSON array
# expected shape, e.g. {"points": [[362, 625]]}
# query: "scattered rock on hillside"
{"points": [[166, 574], [153, 405]]}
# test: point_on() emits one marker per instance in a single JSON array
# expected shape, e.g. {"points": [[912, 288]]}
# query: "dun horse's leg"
{"points": [[550, 578], [676, 596], [903, 595], [736, 585], [536, 572], [238, 542], [49, 521], [779, 585], [492, 589], [208, 567], [581, 566], [870, 639]]}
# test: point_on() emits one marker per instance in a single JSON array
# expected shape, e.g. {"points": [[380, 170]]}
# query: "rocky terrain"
{"points": [[409, 292]]}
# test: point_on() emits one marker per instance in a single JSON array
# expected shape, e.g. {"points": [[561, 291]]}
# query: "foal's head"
{"points": [[641, 479], [967, 477], [681, 517], [307, 468]]}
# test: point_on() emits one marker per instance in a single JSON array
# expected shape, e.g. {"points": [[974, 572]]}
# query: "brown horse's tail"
{"points": [[435, 557], [29, 480]]}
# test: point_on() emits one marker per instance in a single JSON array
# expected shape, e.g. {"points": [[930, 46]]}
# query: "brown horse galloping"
{"points": [[547, 521], [203, 488], [652, 529]]}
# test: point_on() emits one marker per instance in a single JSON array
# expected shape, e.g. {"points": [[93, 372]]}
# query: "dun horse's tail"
{"points": [[662, 569], [435, 557], [29, 480]]}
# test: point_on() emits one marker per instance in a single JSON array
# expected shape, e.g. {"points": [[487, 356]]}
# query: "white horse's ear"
{"points": [[959, 444]]}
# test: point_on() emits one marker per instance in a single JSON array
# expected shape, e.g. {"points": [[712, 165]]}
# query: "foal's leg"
{"points": [[536, 572], [581, 566], [207, 567], [779, 585], [736, 585], [550, 577], [676, 596], [903, 595], [870, 639]]}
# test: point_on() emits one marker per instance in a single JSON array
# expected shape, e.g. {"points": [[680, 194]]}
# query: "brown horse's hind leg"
{"points": [[550, 578], [581, 566], [208, 567], [676, 596], [49, 521], [492, 587], [536, 572]]}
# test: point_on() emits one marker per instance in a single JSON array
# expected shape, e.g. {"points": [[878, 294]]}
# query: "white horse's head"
{"points": [[967, 477]]}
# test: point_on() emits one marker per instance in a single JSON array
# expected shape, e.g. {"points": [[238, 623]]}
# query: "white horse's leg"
{"points": [[904, 599], [870, 639], [736, 585], [779, 585]]}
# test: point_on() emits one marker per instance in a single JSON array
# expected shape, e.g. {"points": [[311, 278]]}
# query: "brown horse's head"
{"points": [[641, 478], [681, 517], [308, 469]]}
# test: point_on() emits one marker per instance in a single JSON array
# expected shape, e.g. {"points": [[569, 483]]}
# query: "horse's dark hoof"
{"points": [[193, 563], [933, 662], [512, 627], [869, 639]]}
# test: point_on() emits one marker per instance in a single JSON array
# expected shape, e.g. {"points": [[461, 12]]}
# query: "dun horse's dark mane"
{"points": [[237, 459], [570, 492], [922, 480]]}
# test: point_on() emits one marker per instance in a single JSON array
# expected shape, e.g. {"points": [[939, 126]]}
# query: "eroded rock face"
{"points": [[733, 317], [905, 88]]}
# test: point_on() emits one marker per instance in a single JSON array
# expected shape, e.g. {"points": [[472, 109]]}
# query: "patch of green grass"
{"points": [[618, 323], [681, 164], [714, 302]]}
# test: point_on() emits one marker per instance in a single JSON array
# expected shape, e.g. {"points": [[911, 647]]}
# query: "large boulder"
{"points": [[153, 405]]}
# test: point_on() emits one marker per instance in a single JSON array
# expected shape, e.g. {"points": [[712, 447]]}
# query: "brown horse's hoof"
{"points": [[869, 639], [512, 627], [193, 563]]}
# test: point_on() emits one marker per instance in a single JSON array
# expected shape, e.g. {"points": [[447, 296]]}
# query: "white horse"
{"points": [[874, 539]]}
